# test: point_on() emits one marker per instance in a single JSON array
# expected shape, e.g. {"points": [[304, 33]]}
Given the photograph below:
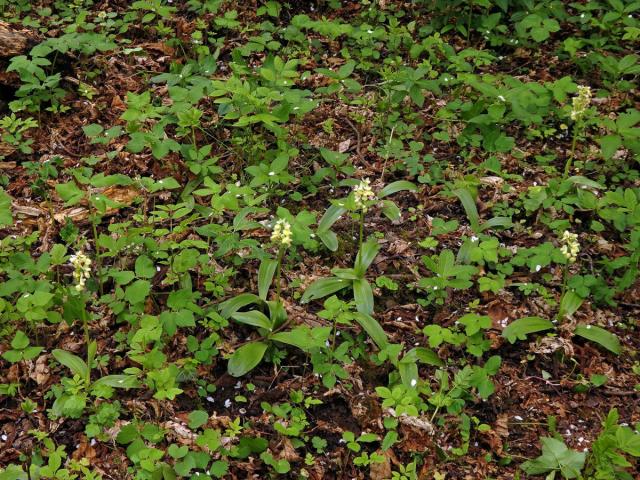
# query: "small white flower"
{"points": [[82, 269], [501, 98], [282, 233], [414, 382], [570, 246], [581, 102], [538, 267], [363, 194], [227, 403], [271, 174]]}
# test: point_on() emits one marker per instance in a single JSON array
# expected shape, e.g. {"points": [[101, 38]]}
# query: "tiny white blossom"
{"points": [[570, 246], [82, 269], [580, 102], [282, 233], [363, 193]]}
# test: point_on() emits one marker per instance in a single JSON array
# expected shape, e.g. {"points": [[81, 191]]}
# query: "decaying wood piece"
{"points": [[12, 42]]}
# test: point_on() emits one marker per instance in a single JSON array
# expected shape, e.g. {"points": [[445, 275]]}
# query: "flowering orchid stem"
{"points": [[565, 280], [85, 326], [361, 231], [94, 228], [279, 273], [567, 167]]}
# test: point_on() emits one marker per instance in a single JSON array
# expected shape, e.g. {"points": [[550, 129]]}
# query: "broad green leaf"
{"points": [[569, 304], [323, 287], [20, 341], [365, 256], [72, 362], [331, 216], [118, 381], [303, 337], [427, 356], [229, 307], [391, 210], [346, 273], [373, 329], [556, 456], [197, 418], [69, 192], [254, 318], [519, 329], [144, 267], [600, 336], [395, 187], [363, 295], [408, 370], [277, 313], [246, 358], [265, 276], [504, 222], [584, 181], [137, 292], [329, 239], [5, 209], [628, 441], [470, 208]]}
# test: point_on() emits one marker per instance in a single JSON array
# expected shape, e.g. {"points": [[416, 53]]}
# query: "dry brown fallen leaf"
{"points": [[382, 470], [40, 372]]}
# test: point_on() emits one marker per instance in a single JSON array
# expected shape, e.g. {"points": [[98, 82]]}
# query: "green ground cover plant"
{"points": [[372, 239]]}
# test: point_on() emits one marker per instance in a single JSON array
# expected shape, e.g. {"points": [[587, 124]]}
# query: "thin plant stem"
{"points": [[469, 19], [567, 166], [279, 273], [361, 230], [85, 326], [565, 280]]}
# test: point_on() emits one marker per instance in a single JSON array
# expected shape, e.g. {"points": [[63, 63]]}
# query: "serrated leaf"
{"points": [[137, 292]]}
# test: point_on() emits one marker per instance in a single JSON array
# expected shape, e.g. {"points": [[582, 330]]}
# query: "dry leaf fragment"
{"points": [[41, 372], [382, 470], [344, 146]]}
